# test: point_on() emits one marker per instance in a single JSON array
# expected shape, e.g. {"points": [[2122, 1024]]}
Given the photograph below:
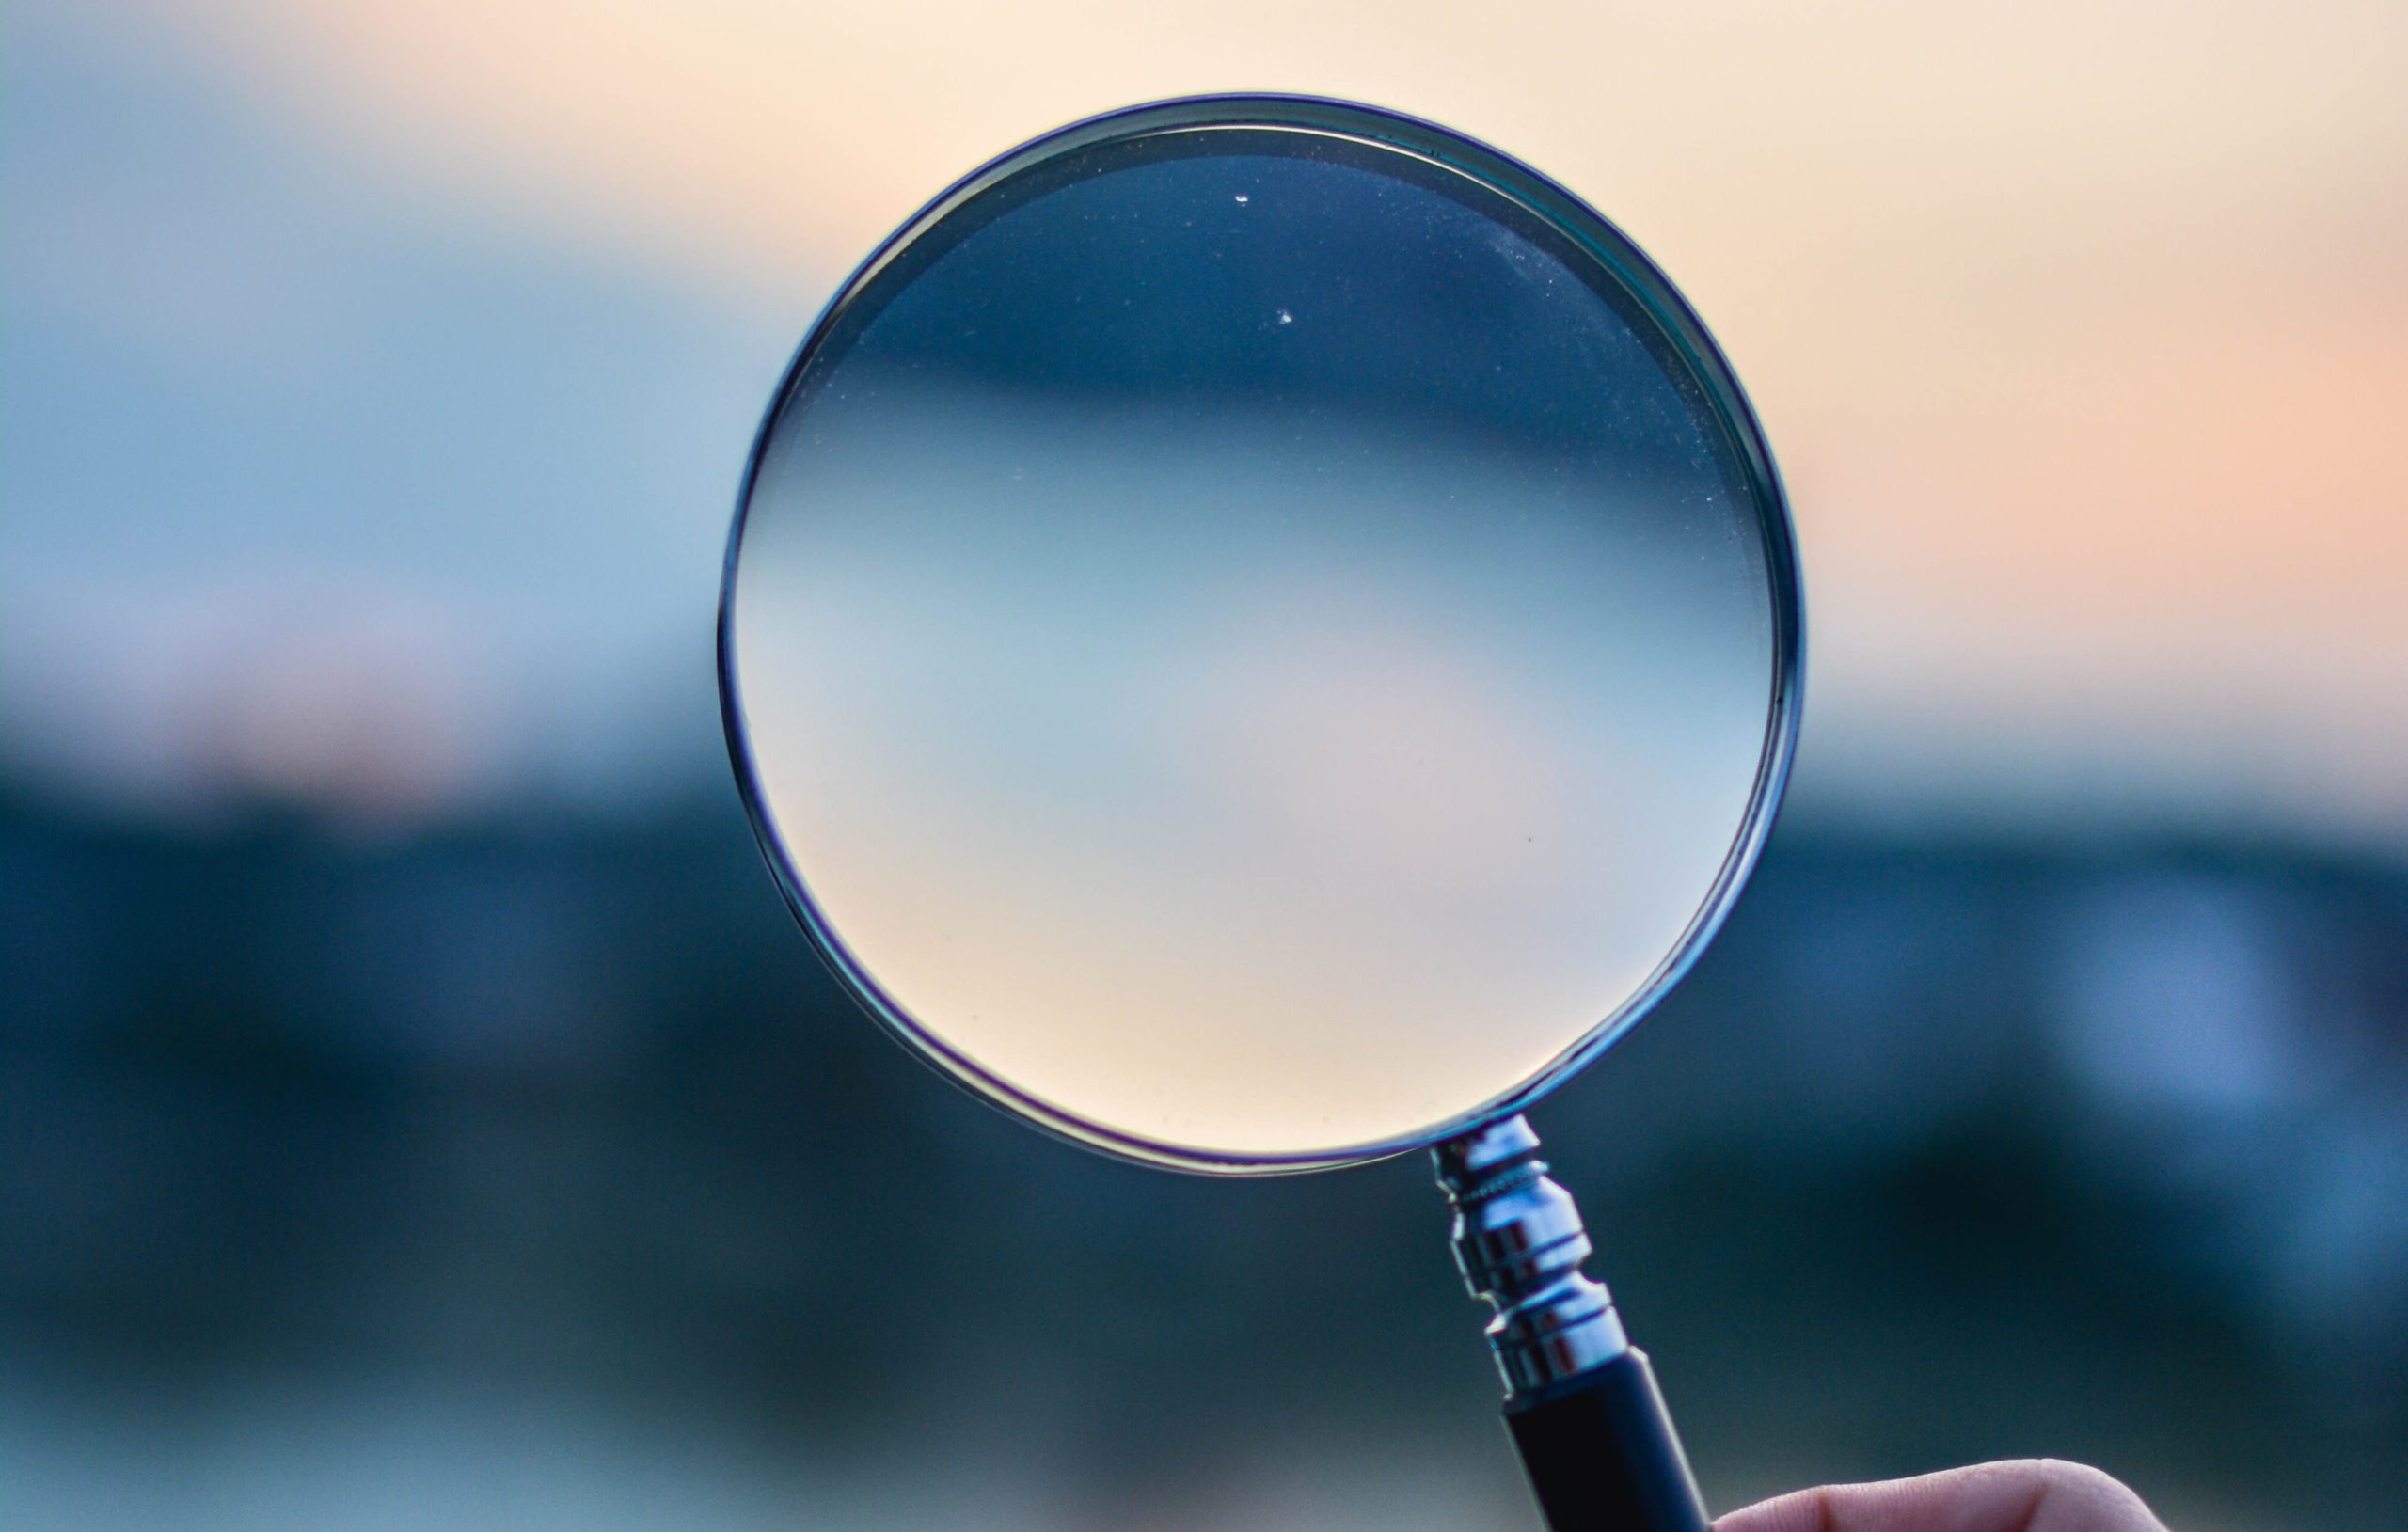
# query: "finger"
{"points": [[2033, 1496]]}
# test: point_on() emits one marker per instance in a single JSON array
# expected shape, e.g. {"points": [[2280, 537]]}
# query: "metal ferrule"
{"points": [[1519, 1243]]}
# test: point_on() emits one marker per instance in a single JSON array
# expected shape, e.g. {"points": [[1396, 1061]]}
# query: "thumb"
{"points": [[2032, 1495]]}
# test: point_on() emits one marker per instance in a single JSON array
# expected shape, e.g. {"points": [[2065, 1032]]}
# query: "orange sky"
{"points": [[2081, 330]]}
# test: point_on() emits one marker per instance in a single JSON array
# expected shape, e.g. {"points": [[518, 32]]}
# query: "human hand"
{"points": [[2033, 1496]]}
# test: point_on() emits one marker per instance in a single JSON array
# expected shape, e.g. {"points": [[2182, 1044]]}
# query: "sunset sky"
{"points": [[2082, 332]]}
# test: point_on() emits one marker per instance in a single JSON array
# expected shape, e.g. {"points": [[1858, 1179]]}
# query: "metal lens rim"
{"points": [[1690, 340]]}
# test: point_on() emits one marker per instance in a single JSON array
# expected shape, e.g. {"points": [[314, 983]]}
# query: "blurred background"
{"points": [[417, 1111]]}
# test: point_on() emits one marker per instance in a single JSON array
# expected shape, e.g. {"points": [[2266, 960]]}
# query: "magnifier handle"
{"points": [[1601, 1454], [1580, 1401]]}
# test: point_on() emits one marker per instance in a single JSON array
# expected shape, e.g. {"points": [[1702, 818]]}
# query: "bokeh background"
{"points": [[415, 1110]]}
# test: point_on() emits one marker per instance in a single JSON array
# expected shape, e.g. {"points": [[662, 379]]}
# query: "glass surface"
{"points": [[1250, 642]]}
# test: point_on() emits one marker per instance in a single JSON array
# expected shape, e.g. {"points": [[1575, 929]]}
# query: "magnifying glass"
{"points": [[1261, 634]]}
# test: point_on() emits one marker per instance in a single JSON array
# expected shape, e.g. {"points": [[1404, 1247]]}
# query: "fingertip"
{"points": [[2034, 1494], [1801, 1510]]}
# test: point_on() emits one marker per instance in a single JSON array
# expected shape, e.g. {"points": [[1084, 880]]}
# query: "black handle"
{"points": [[1601, 1455]]}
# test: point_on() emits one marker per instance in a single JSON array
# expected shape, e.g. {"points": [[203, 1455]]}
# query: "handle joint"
{"points": [[1519, 1243]]}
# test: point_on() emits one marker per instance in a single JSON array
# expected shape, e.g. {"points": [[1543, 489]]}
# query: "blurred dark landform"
{"points": [[1953, 1147]]}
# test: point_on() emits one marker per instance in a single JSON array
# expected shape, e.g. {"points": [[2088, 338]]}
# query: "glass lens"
{"points": [[1250, 644]]}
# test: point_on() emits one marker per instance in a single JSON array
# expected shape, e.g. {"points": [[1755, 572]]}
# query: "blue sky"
{"points": [[376, 380], [250, 389]]}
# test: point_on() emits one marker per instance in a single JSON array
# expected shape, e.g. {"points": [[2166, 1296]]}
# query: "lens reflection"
{"points": [[1247, 638]]}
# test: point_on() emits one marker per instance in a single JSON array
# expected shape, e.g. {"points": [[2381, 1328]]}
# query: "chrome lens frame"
{"points": [[1686, 337]]}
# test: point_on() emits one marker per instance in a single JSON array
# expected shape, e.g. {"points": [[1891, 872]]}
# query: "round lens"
{"points": [[1259, 632]]}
